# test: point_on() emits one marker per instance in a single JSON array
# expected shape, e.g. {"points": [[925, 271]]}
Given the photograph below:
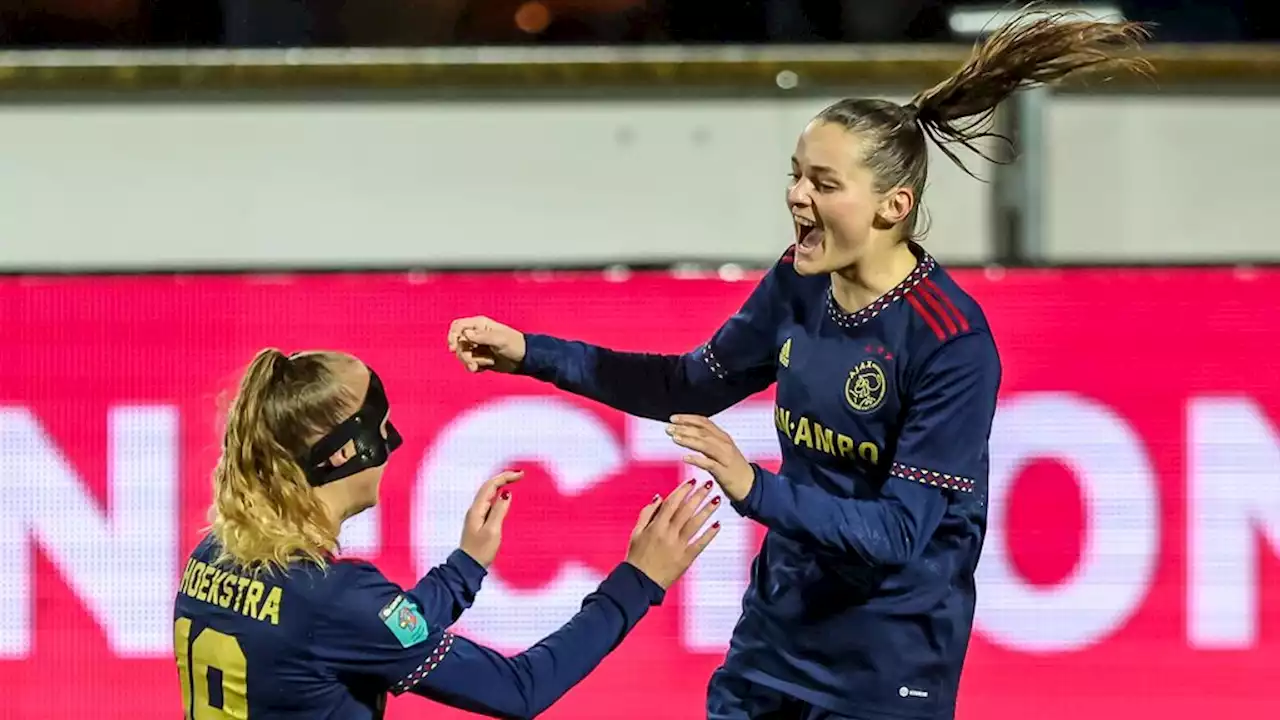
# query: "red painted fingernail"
{"points": [[715, 500], [656, 498], [691, 481], [707, 486], [506, 494], [715, 525]]}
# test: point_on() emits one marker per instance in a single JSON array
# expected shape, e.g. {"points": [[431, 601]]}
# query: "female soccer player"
{"points": [[270, 624], [861, 601]]}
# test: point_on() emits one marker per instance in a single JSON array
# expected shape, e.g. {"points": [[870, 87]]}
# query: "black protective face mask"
{"points": [[364, 429]]}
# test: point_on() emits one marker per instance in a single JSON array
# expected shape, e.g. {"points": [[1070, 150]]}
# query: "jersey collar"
{"points": [[925, 265]]}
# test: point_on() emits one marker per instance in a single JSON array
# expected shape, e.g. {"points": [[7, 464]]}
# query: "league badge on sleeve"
{"points": [[402, 617]]}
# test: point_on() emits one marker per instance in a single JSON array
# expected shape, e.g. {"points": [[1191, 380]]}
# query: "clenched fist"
{"points": [[482, 344]]}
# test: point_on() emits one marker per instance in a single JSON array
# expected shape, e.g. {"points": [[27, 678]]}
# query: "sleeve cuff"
{"points": [[632, 590], [539, 356], [749, 507], [472, 572]]}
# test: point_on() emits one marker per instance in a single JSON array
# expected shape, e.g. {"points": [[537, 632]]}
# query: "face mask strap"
{"points": [[364, 429]]}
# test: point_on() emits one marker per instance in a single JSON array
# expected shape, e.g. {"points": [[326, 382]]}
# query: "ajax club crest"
{"points": [[865, 388]]}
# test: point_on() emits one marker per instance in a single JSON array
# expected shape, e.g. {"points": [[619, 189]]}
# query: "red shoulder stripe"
{"points": [[789, 256], [928, 317], [937, 308], [950, 306]]}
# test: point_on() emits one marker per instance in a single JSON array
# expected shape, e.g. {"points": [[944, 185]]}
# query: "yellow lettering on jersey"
{"points": [[228, 590], [248, 596], [186, 577], [271, 608], [215, 586], [251, 600], [804, 436], [206, 580], [241, 585], [807, 433], [823, 439]]}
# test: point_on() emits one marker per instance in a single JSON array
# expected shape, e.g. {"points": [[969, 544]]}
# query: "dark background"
{"points": [[300, 23]]}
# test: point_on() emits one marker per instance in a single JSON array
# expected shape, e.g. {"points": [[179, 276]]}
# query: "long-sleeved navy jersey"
{"points": [[332, 642], [862, 597]]}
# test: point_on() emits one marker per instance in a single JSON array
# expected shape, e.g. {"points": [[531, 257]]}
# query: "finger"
{"points": [[673, 502], [452, 335], [712, 448], [488, 491], [463, 356], [483, 333], [703, 541], [457, 327], [646, 514], [691, 504], [703, 428], [474, 362], [702, 462], [498, 510], [692, 525], [700, 423], [692, 421]]}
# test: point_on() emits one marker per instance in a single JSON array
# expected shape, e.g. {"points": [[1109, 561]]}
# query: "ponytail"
{"points": [[1037, 48], [265, 513]]}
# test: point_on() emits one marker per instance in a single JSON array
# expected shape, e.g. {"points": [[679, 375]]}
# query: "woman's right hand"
{"points": [[482, 344], [482, 526], [661, 546]]}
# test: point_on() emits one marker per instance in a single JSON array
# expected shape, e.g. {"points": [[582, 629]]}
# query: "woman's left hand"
{"points": [[717, 454]]}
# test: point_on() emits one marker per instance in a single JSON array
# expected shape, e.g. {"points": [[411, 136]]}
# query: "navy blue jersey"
{"points": [[862, 597], [331, 642]]}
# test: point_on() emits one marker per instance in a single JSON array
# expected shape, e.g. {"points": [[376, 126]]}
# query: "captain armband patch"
{"points": [[422, 671], [405, 621], [932, 478]]}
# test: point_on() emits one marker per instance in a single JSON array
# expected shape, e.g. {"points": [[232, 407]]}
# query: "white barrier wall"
{"points": [[1164, 178], [494, 183]]}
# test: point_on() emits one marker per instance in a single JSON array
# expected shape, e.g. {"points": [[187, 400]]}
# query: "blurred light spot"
{"points": [[533, 17]]}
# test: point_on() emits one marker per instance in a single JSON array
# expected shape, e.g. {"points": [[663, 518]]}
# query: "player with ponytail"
{"points": [[861, 600], [269, 621], [265, 513]]}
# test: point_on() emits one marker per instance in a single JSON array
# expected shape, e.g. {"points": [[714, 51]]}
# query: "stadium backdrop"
{"points": [[1131, 569]]}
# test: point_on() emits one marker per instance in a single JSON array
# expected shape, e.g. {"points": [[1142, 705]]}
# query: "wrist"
{"points": [[475, 557], [654, 589], [740, 489], [749, 505]]}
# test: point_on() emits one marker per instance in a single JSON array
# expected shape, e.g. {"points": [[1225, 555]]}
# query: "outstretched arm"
{"points": [[373, 632], [737, 362], [373, 635], [462, 674], [646, 385]]}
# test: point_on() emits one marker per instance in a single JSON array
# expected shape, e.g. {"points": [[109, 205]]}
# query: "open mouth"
{"points": [[808, 233]]}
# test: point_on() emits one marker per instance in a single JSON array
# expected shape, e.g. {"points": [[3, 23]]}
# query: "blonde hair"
{"points": [[265, 513]]}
